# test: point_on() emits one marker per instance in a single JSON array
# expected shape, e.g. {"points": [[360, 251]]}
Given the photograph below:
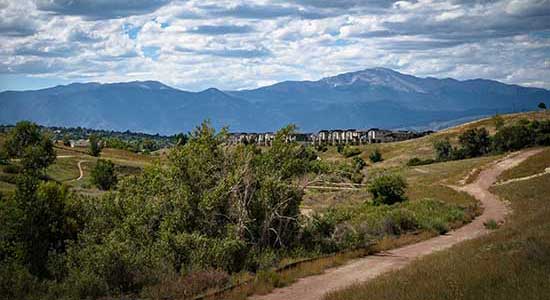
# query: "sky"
{"points": [[194, 45]]}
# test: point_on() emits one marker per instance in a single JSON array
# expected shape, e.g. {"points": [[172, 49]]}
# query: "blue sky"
{"points": [[194, 45]]}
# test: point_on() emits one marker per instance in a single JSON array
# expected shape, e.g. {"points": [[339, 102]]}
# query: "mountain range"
{"points": [[376, 97]]}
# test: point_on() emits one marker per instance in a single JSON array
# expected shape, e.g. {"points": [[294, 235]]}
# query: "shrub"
{"points": [[512, 138], [103, 175], [350, 151], [475, 142], [415, 161], [359, 163], [375, 156], [388, 189], [491, 224], [443, 150]]}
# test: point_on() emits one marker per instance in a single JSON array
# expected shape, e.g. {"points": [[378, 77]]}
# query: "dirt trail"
{"points": [[80, 169], [363, 269]]}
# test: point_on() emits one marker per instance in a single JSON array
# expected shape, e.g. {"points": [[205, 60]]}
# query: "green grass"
{"points": [[64, 169], [533, 165], [511, 263]]}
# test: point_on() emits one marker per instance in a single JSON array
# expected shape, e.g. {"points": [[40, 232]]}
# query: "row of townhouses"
{"points": [[330, 137]]}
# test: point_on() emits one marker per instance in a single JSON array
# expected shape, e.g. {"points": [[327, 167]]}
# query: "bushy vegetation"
{"points": [[350, 227], [95, 146], [209, 207], [103, 175], [388, 189], [510, 263], [415, 161], [477, 142], [349, 151], [375, 156]]}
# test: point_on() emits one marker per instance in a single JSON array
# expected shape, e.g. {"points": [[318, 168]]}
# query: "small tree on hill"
{"points": [[375, 156], [388, 189], [475, 142], [103, 175], [95, 147], [443, 150], [66, 140], [542, 106]]}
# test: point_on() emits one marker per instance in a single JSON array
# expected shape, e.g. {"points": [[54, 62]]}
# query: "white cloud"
{"points": [[243, 44]]}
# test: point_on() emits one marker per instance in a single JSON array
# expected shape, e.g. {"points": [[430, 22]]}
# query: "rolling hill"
{"points": [[370, 98]]}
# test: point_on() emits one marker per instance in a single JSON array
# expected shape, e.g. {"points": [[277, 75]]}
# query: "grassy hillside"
{"points": [[511, 263], [533, 165], [398, 153], [65, 168]]}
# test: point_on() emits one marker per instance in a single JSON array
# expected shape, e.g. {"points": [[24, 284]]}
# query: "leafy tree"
{"points": [[66, 140], [475, 142], [95, 147], [375, 156], [512, 138], [103, 174], [27, 142], [388, 189], [443, 150], [542, 105]]}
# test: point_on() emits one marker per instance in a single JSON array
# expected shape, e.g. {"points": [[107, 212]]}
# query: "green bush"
{"points": [[512, 138], [443, 150], [375, 156], [359, 163], [475, 142], [350, 151], [388, 189], [103, 175], [415, 161]]}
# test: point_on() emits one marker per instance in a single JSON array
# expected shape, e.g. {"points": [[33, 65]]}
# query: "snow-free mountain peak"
{"points": [[375, 97]]}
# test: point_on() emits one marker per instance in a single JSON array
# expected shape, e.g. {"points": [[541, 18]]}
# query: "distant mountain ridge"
{"points": [[376, 97]]}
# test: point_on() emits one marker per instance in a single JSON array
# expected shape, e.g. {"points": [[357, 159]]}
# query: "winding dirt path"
{"points": [[80, 169], [363, 269]]}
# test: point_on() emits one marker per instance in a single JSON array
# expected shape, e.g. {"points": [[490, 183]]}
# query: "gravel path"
{"points": [[363, 269]]}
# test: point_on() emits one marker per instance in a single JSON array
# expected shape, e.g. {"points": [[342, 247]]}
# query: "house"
{"points": [[376, 135]]}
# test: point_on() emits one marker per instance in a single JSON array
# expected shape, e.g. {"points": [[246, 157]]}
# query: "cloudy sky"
{"points": [[245, 44]]}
